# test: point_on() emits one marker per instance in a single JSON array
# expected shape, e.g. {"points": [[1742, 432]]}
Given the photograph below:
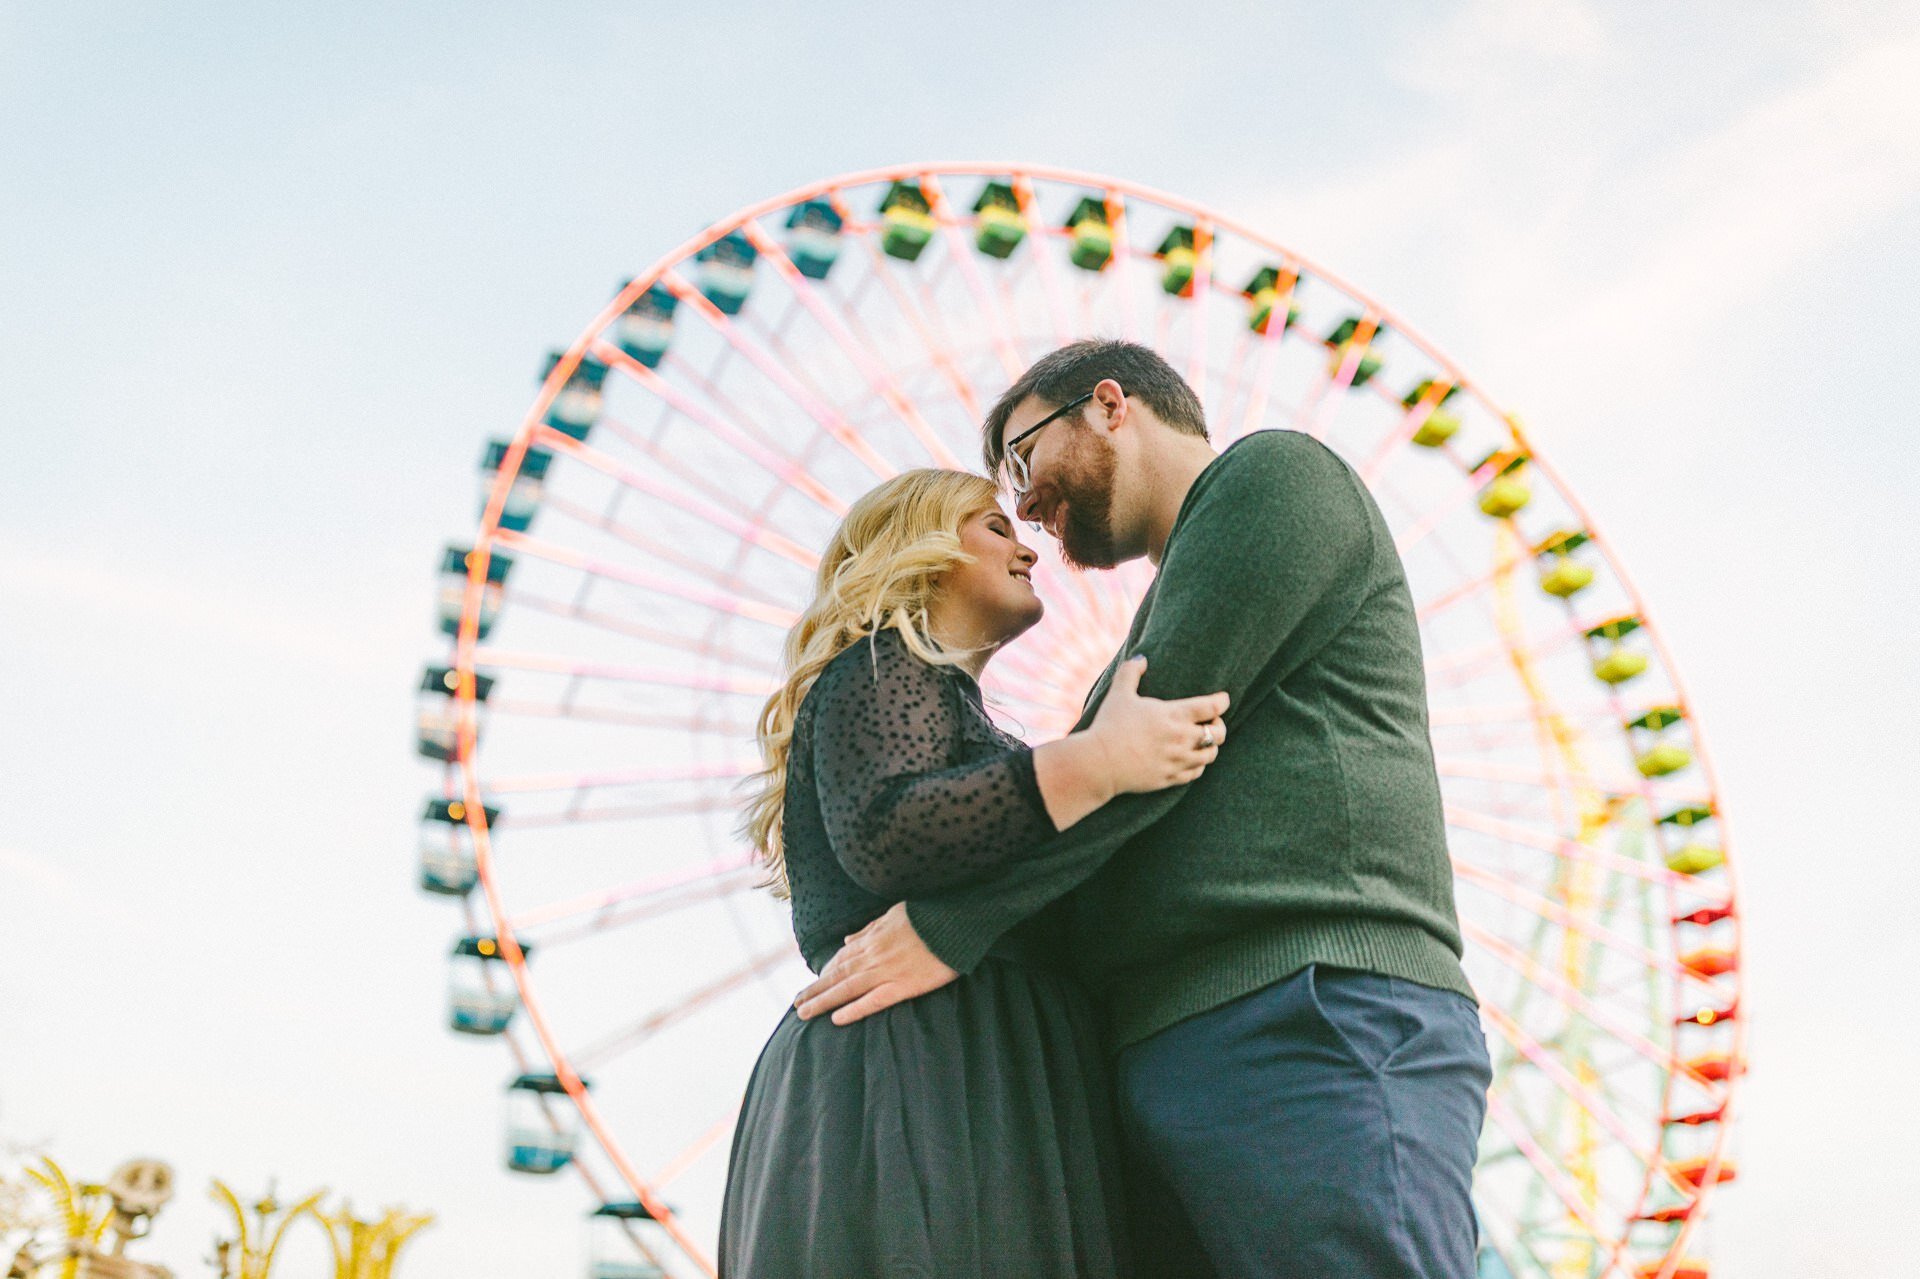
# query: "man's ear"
{"points": [[1108, 394]]}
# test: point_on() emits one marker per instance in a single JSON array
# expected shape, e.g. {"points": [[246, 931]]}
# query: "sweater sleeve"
{"points": [[902, 816], [1268, 561]]}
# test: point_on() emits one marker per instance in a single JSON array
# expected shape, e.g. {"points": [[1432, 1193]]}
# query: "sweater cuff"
{"points": [[1026, 780], [956, 938]]}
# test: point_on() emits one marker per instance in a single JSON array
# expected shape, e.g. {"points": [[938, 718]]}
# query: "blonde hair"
{"points": [[880, 570]]}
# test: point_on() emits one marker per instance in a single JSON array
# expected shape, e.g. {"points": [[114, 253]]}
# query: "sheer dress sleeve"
{"points": [[912, 798]]}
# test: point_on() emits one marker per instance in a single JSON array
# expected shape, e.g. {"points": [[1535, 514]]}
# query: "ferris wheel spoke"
{"points": [[1563, 847], [710, 804], [721, 890], [1122, 266], [736, 337], [1463, 663], [636, 630], [1541, 1058], [692, 1154], [1196, 310], [879, 380], [1544, 1167], [1436, 514], [1410, 423], [727, 514], [1475, 715], [1326, 405], [605, 1049], [673, 494], [1570, 996], [535, 783], [1467, 770], [722, 869], [1568, 920], [741, 439], [565, 710], [1051, 285], [1467, 590], [730, 605], [1524, 1239], [648, 546], [655, 676], [925, 324], [1260, 387], [961, 252]]}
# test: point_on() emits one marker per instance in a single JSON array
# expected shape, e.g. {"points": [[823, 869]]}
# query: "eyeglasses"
{"points": [[1019, 478]]}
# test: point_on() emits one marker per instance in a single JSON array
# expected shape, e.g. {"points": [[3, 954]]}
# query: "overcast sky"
{"points": [[269, 274]]}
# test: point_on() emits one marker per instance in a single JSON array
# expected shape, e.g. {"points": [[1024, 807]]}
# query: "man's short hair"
{"points": [[1075, 369]]}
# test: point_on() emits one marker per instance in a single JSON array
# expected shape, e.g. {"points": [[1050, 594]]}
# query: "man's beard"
{"points": [[1086, 538]]}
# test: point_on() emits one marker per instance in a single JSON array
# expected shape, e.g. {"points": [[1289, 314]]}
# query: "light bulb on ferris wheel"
{"points": [[650, 531]]}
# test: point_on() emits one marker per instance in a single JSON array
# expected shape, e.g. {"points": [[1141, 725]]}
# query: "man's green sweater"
{"points": [[1316, 836]]}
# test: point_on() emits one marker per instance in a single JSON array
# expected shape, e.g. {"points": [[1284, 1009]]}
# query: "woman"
{"points": [[967, 1133]]}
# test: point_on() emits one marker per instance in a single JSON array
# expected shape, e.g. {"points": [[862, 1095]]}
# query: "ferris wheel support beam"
{"points": [[1577, 1000], [823, 415], [736, 522], [1197, 312], [1569, 920], [1542, 1060], [958, 250], [1523, 1141], [602, 1050], [760, 453], [655, 907], [770, 615], [1469, 819], [630, 630], [879, 381], [589, 903]]}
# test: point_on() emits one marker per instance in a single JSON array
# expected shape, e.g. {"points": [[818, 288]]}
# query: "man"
{"points": [[1301, 1070]]}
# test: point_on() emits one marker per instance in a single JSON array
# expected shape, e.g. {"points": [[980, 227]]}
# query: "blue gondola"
{"points": [[645, 329], [725, 271], [543, 1128], [813, 238], [480, 993], [453, 588], [529, 484], [619, 1233], [447, 864], [436, 711], [577, 407]]}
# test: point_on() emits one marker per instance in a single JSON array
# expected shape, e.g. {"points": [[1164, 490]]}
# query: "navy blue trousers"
{"points": [[1324, 1126]]}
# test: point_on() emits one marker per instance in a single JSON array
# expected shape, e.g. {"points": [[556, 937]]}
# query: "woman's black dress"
{"points": [[965, 1134]]}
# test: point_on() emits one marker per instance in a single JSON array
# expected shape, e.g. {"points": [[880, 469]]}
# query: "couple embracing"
{"points": [[1177, 995]]}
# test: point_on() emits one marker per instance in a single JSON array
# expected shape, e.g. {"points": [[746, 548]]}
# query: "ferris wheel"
{"points": [[648, 533]]}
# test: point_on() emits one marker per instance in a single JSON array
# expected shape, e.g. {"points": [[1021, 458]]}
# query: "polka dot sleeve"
{"points": [[910, 800]]}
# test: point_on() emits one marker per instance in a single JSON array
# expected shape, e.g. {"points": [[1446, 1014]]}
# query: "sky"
{"points": [[269, 274]]}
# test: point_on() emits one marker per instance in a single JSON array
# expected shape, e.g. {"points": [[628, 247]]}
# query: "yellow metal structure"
{"points": [[362, 1249]]}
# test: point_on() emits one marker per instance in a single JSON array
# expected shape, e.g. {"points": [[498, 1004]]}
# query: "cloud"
{"points": [[66, 889], [132, 598], [1747, 205]]}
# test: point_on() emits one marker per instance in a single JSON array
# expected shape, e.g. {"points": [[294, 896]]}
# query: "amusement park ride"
{"points": [[648, 532], [80, 1230]]}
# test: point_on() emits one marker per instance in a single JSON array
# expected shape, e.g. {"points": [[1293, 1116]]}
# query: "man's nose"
{"points": [[1028, 507]]}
